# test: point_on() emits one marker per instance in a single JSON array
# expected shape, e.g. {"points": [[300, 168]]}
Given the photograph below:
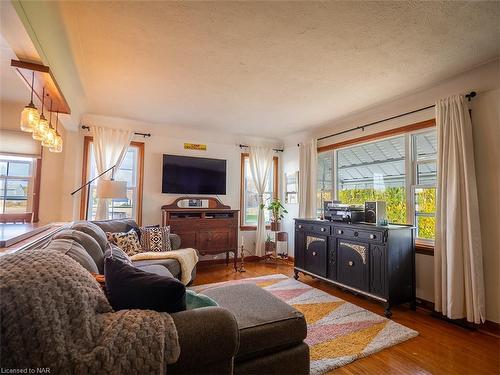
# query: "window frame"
{"points": [[140, 177], [422, 245], [244, 156], [33, 195]]}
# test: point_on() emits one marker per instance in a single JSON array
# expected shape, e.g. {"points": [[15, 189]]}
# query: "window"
{"points": [[249, 196], [424, 187], [400, 170], [324, 179], [131, 171], [16, 184]]}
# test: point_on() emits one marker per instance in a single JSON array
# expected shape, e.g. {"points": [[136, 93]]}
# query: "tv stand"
{"points": [[210, 228]]}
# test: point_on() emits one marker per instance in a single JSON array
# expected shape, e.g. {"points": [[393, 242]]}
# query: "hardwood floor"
{"points": [[440, 348]]}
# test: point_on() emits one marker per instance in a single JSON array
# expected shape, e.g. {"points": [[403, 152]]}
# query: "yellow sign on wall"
{"points": [[195, 146]]}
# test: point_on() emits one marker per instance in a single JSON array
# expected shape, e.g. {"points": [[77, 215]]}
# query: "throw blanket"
{"points": [[187, 258], [54, 314]]}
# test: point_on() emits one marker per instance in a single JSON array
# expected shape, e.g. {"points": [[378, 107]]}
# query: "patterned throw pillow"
{"points": [[155, 239], [128, 242]]}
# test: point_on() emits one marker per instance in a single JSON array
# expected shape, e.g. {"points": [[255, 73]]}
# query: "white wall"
{"points": [[165, 139], [486, 81]]}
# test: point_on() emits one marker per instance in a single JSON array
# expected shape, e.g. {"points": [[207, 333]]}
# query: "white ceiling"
{"points": [[268, 68]]}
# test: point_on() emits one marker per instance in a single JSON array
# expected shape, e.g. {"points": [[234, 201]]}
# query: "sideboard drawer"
{"points": [[322, 229], [304, 227], [372, 236]]}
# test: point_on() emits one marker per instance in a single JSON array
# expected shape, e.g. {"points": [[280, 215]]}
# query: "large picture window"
{"points": [[16, 184], [131, 171], [400, 170], [249, 196]]}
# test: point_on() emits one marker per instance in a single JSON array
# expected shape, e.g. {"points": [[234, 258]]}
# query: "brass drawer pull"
{"points": [[323, 229], [340, 231], [300, 226], [351, 263], [372, 236], [356, 234], [314, 253]]}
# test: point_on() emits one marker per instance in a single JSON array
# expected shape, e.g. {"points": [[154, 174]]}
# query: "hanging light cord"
{"points": [[43, 98], [32, 84], [50, 114]]}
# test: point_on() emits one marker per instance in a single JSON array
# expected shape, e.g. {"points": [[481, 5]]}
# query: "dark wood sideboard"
{"points": [[210, 230], [375, 261]]}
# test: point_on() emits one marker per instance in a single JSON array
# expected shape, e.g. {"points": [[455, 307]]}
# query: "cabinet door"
{"points": [[332, 259], [352, 267], [216, 240], [315, 254], [299, 249], [378, 270]]}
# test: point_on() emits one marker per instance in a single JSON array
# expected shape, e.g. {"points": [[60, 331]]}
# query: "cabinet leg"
{"points": [[227, 258], [296, 275], [235, 260], [413, 305], [387, 310]]}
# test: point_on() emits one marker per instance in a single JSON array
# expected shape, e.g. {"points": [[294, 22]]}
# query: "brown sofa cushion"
{"points": [[265, 322]]}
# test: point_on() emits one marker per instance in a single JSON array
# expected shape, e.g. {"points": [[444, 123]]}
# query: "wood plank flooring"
{"points": [[441, 347]]}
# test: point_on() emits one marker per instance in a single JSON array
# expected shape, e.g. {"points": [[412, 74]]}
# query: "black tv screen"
{"points": [[189, 175]]}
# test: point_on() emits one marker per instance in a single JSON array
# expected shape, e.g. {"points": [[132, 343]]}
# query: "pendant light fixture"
{"points": [[30, 115], [42, 126], [58, 142], [50, 135]]}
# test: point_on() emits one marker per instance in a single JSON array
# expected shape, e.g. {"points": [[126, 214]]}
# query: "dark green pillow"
{"points": [[195, 301]]}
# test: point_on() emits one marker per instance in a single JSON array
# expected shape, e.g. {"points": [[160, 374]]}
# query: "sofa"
{"points": [[249, 332], [124, 225]]}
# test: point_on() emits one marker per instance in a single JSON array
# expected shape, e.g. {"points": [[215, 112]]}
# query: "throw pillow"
{"points": [[116, 252], [128, 287], [128, 242], [138, 230], [195, 301], [155, 239]]}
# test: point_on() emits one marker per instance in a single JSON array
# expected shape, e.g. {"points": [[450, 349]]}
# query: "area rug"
{"points": [[338, 332]]}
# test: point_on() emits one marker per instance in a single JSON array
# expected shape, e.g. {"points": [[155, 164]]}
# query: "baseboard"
{"points": [[488, 327]]}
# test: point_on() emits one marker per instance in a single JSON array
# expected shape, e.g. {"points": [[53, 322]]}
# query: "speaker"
{"points": [[375, 212]]}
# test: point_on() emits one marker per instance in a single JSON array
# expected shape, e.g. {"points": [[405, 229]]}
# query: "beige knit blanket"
{"points": [[187, 258], [54, 314]]}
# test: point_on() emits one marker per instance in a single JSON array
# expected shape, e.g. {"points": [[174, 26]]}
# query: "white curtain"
{"points": [[110, 147], [458, 258], [308, 157], [261, 161]]}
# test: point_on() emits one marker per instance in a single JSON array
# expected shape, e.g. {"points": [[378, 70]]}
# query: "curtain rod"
{"points": [[136, 133], [469, 96], [274, 149]]}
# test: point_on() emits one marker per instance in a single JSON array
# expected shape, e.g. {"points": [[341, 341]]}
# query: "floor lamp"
{"points": [[106, 189]]}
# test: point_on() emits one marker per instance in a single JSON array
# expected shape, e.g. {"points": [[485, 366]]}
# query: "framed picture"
{"points": [[292, 187]]}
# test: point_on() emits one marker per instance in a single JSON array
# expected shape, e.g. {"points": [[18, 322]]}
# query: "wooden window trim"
{"points": [[383, 134], [420, 246], [87, 140], [242, 190], [424, 248], [36, 189]]}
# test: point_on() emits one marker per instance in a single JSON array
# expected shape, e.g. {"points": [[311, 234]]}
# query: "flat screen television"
{"points": [[190, 175]]}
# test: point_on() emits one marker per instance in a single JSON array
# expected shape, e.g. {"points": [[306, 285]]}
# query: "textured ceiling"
{"points": [[268, 68]]}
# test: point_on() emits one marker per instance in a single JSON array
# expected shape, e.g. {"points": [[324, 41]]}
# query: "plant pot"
{"points": [[275, 226], [270, 246]]}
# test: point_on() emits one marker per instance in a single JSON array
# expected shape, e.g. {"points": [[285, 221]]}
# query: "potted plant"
{"points": [[278, 212]]}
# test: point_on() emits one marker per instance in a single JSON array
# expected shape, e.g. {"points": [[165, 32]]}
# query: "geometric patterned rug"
{"points": [[338, 332]]}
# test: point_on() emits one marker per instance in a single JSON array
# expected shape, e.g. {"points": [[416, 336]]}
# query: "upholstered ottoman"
{"points": [[271, 331]]}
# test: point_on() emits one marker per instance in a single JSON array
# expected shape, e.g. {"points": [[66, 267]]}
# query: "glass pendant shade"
{"points": [[50, 137], [29, 118], [40, 129], [58, 144]]}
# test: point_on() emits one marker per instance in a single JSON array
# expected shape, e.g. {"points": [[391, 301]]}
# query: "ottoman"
{"points": [[271, 332]]}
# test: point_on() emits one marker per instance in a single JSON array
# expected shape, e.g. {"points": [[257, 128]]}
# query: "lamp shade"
{"points": [[111, 189]]}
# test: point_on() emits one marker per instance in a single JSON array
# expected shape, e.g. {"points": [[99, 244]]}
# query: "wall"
{"points": [[164, 139], [485, 80], [52, 166]]}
